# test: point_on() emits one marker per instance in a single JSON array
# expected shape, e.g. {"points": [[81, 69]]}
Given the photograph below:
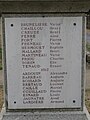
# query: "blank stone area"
{"points": [[46, 117]]}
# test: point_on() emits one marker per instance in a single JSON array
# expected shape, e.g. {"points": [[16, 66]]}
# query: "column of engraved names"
{"points": [[57, 76], [31, 75]]}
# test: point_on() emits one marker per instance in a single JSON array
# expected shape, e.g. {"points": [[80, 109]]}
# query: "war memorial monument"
{"points": [[44, 61]]}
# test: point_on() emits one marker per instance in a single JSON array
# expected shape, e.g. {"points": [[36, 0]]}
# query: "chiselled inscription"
{"points": [[33, 49], [44, 61]]}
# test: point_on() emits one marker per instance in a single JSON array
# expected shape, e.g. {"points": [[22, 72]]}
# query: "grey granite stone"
{"points": [[50, 0], [43, 6], [46, 117]]}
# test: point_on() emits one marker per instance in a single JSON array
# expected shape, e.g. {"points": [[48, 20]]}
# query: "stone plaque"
{"points": [[43, 62]]}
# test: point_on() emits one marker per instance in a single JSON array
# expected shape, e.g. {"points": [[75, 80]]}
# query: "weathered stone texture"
{"points": [[46, 117]]}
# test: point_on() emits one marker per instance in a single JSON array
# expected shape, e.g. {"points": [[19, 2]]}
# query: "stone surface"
{"points": [[47, 116], [37, 7], [43, 6], [50, 0], [75, 115], [55, 87]]}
